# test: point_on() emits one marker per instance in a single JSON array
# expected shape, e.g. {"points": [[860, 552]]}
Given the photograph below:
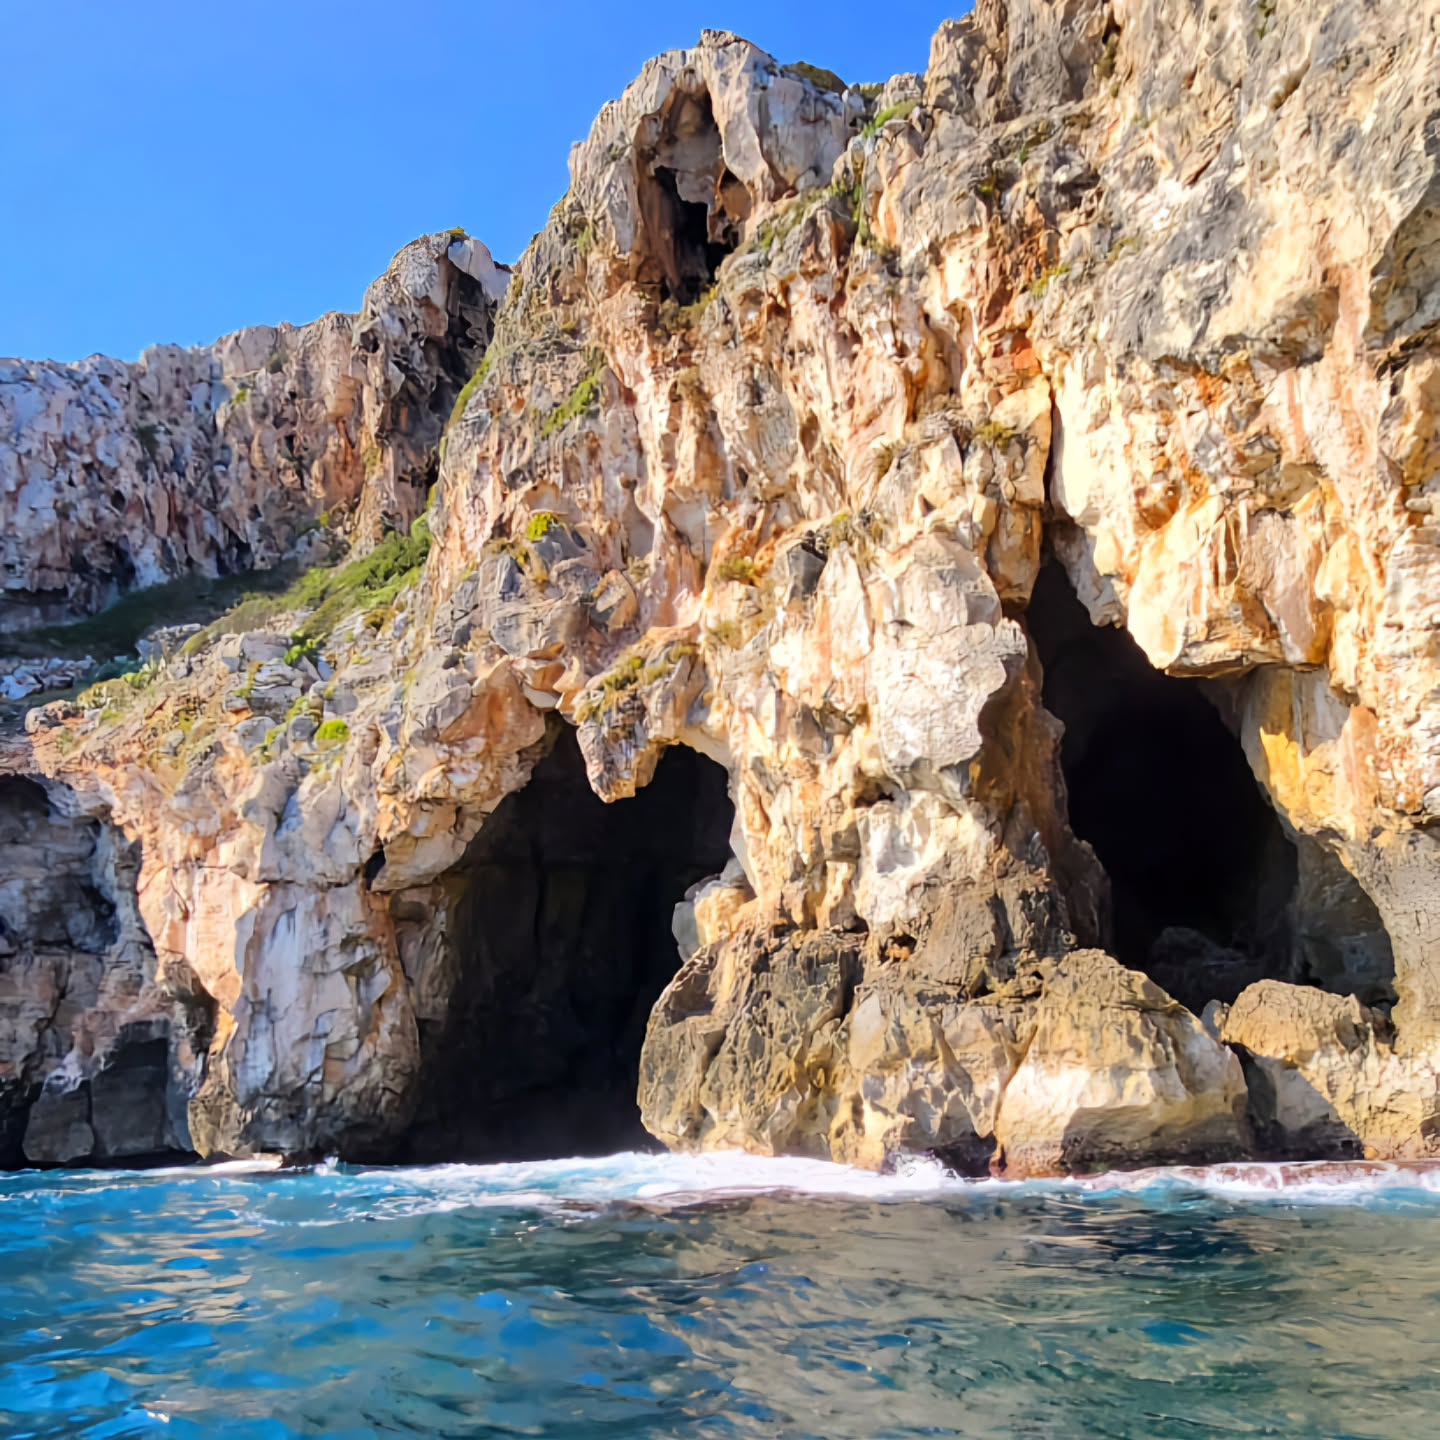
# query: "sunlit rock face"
{"points": [[1017, 479], [115, 474]]}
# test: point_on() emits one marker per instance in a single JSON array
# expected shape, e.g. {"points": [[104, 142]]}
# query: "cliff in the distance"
{"points": [[976, 534], [115, 476]]}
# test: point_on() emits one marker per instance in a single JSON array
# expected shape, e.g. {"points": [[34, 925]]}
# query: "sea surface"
{"points": [[718, 1296]]}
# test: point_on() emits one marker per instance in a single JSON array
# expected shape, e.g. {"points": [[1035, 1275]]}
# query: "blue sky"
{"points": [[174, 169]]}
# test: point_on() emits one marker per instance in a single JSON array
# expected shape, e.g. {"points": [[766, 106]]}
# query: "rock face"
{"points": [[84, 1049], [820, 1049], [1017, 479], [117, 475]]}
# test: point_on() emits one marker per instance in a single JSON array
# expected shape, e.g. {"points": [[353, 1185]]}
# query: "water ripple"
{"points": [[718, 1297]]}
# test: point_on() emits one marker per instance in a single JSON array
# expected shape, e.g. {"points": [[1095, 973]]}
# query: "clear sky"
{"points": [[175, 169]]}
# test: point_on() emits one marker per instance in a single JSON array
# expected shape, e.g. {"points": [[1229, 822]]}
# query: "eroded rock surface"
{"points": [[85, 1050], [115, 475], [843, 438]]}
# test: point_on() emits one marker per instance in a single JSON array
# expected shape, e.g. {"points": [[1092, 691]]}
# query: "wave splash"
{"points": [[667, 1181], [660, 1181]]}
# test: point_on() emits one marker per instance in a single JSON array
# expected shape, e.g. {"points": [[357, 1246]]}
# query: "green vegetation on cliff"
{"points": [[819, 77], [584, 399], [330, 593], [116, 629], [333, 732]]}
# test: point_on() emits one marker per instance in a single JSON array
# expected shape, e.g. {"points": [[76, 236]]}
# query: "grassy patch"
{"points": [[115, 630], [246, 688], [857, 531], [1041, 283], [1105, 65], [330, 593], [992, 433], [584, 399], [633, 671], [1038, 136], [997, 179], [1125, 245], [306, 649], [541, 524], [886, 455], [854, 197], [310, 705], [740, 568], [819, 77], [472, 385], [675, 319], [689, 386], [113, 697], [334, 592], [889, 113], [332, 732], [774, 230]]}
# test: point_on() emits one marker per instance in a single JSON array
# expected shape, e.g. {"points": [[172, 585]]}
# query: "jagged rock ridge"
{"points": [[115, 475], [808, 425]]}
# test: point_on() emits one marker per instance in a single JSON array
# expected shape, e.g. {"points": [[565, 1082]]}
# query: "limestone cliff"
{"points": [[116, 475], [1016, 477]]}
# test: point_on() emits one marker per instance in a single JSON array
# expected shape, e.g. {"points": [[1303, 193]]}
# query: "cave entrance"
{"points": [[1202, 873], [559, 930], [691, 206]]}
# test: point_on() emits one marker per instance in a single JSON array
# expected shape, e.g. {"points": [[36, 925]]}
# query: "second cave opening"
{"points": [[1202, 873], [559, 934]]}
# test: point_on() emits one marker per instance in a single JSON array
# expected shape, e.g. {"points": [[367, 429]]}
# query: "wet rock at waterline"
{"points": [[1017, 482]]}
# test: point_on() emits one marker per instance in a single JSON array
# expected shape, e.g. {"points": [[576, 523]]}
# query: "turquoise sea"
{"points": [[717, 1296]]}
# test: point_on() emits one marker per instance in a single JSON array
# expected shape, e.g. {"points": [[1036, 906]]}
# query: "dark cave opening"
{"points": [[560, 934], [691, 206], [1202, 873], [694, 257]]}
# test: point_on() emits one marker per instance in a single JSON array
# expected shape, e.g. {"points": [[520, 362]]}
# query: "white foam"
{"points": [[1301, 1182], [649, 1178], [665, 1181], [260, 1165]]}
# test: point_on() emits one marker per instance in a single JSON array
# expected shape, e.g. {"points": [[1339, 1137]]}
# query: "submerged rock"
{"points": [[848, 440]]}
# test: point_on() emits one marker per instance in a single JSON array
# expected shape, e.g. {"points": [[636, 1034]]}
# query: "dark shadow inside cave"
{"points": [[1202, 873], [690, 204], [560, 934], [694, 257]]}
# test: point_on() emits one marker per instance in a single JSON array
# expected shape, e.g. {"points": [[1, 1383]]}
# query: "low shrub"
{"points": [[332, 732], [819, 77], [329, 593]]}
